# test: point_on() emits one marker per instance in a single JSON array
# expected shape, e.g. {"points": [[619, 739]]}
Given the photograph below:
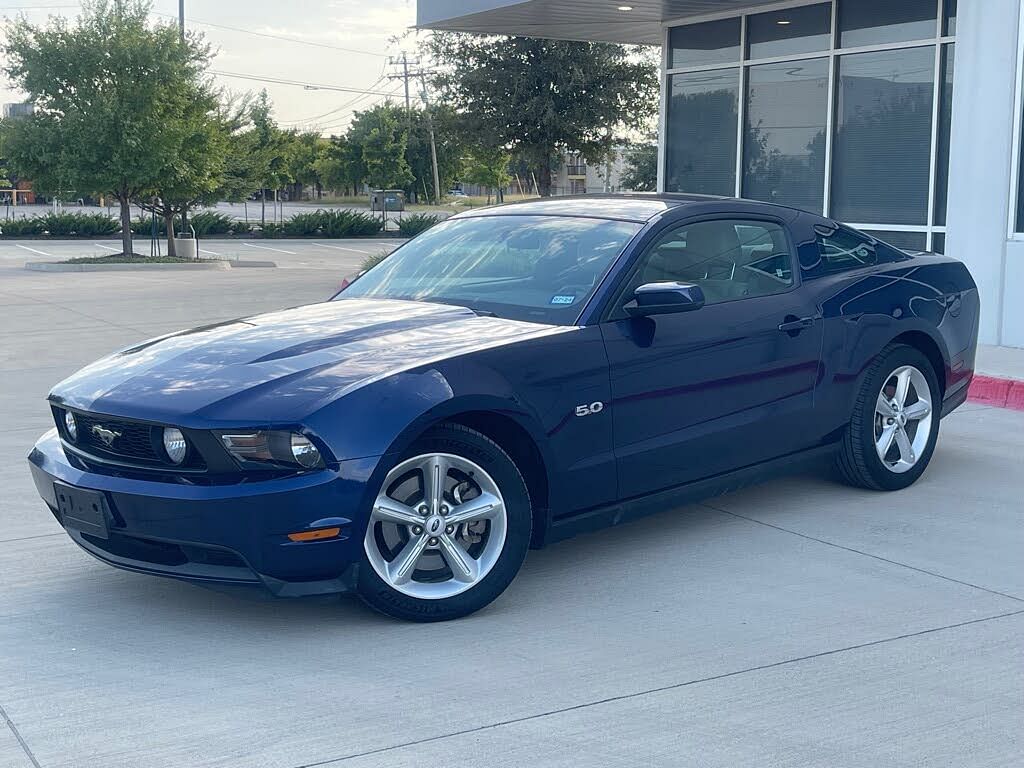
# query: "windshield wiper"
{"points": [[481, 312]]}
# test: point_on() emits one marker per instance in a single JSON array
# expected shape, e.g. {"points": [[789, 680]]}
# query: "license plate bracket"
{"points": [[83, 510]]}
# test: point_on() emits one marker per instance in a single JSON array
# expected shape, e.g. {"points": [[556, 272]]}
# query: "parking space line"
{"points": [[26, 248], [268, 248], [212, 253], [342, 248], [101, 245]]}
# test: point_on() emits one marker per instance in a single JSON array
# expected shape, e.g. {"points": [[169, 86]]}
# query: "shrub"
{"points": [[143, 225], [239, 227], [272, 229], [303, 224], [65, 224], [410, 226], [349, 224], [22, 227], [208, 223]]}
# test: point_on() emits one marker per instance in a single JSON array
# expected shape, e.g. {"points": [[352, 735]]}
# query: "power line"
{"points": [[271, 36], [299, 83], [347, 104], [345, 120]]}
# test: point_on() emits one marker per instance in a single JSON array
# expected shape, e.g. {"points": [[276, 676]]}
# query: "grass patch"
{"points": [[120, 258], [372, 261]]}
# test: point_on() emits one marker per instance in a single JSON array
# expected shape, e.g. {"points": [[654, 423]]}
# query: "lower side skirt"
{"points": [[631, 509]]}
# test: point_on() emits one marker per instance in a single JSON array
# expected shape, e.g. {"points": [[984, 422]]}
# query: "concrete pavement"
{"points": [[288, 254], [800, 623]]}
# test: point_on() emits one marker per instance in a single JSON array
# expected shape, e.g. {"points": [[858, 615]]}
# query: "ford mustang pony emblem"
{"points": [[108, 436]]}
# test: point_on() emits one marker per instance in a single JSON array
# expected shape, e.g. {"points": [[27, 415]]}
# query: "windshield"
{"points": [[539, 268]]}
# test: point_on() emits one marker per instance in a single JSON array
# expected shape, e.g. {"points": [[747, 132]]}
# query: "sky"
{"points": [[322, 27]]}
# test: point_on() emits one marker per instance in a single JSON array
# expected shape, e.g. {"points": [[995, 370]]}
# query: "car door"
{"points": [[731, 384]]}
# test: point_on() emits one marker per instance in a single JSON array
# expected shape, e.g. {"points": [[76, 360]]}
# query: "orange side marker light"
{"points": [[323, 533]]}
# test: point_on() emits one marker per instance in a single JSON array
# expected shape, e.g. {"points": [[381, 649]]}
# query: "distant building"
{"points": [[20, 109], [576, 176]]}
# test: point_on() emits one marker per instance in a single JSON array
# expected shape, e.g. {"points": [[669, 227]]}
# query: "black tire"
{"points": [[858, 461], [470, 444]]}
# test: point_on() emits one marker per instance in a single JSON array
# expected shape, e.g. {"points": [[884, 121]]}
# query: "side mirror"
{"points": [[664, 299]]}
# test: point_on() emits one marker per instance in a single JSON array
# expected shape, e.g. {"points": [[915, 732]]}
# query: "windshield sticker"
{"points": [[562, 299]]}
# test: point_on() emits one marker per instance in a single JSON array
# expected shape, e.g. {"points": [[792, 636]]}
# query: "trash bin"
{"points": [[186, 246], [392, 199]]}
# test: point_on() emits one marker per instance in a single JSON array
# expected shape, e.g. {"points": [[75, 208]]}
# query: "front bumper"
{"points": [[232, 535]]}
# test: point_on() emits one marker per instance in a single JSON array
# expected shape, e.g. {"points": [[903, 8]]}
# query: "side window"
{"points": [[728, 258], [842, 251]]}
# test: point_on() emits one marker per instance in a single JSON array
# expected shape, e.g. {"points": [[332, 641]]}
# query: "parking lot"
{"points": [[800, 623], [304, 254]]}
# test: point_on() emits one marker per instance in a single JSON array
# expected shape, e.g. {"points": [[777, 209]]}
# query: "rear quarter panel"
{"points": [[865, 310]]}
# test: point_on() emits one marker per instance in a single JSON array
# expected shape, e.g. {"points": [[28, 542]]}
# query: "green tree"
{"points": [[449, 140], [110, 90], [268, 145], [541, 97], [304, 150], [6, 177], [210, 166], [489, 167], [341, 167], [382, 136], [641, 172]]}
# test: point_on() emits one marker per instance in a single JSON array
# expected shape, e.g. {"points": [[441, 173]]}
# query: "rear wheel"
{"points": [[449, 528], [895, 422]]}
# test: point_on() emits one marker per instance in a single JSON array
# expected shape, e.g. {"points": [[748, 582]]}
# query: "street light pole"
{"points": [[181, 19]]}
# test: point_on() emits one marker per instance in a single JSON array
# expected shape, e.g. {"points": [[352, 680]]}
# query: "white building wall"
{"points": [[981, 172]]}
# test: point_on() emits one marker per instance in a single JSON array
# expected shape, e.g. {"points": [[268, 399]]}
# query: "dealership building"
{"points": [[900, 117]]}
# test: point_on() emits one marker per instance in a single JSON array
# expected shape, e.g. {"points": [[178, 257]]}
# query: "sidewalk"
{"points": [[999, 378]]}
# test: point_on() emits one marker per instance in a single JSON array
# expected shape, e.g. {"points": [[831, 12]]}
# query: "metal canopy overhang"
{"points": [[596, 20]]}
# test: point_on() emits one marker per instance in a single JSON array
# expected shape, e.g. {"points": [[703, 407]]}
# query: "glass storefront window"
{"points": [[818, 122], [882, 145], [696, 45], [949, 28], [945, 121], [782, 33], [905, 241], [700, 149], [784, 143], [872, 22]]}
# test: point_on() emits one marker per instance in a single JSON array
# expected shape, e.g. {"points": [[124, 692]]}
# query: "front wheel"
{"points": [[895, 422], [449, 528]]}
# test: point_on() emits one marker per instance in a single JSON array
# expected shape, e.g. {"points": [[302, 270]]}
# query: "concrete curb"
{"points": [[246, 264], [49, 266], [997, 391]]}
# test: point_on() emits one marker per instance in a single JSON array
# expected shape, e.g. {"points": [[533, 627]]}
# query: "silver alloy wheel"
{"points": [[437, 526], [903, 419]]}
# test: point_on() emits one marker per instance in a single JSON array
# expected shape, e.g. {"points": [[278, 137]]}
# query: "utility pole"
{"points": [[181, 19], [433, 143], [407, 75], [404, 61]]}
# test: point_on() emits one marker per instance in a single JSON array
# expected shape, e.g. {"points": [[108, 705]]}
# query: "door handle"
{"points": [[793, 325]]}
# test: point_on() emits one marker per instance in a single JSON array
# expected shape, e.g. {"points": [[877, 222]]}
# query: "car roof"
{"points": [[634, 206]]}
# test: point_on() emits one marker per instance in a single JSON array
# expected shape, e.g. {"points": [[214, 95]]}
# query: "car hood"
{"points": [[282, 366]]}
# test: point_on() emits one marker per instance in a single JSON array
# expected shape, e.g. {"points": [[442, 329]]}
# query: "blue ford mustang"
{"points": [[511, 377]]}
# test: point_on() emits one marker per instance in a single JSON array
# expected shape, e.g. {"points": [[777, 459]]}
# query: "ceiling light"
{"points": [[625, 7], [783, 21]]}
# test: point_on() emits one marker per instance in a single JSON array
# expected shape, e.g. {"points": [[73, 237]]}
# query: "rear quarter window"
{"points": [[842, 250]]}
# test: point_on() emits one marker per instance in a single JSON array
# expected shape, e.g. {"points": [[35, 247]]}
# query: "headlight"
{"points": [[71, 426], [175, 445], [304, 452], [267, 447]]}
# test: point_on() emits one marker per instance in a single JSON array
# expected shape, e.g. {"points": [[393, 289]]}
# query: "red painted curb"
{"points": [[1002, 393]]}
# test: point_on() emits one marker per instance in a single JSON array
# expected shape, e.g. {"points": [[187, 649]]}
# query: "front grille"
{"points": [[130, 443], [134, 441]]}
